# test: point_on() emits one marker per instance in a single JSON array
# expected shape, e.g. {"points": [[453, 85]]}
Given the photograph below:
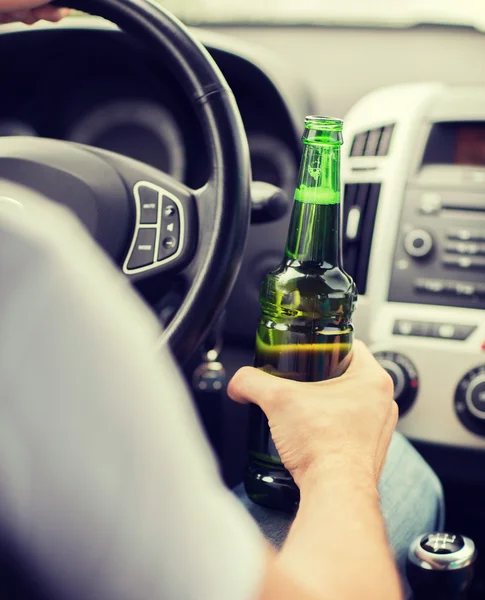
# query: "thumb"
{"points": [[363, 360], [256, 386]]}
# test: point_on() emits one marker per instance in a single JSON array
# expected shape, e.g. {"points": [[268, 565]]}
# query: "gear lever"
{"points": [[441, 565]]}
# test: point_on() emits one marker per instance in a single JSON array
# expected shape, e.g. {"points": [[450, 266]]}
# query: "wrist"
{"points": [[339, 470]]}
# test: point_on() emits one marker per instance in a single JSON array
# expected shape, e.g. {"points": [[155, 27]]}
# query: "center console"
{"points": [[423, 306]]}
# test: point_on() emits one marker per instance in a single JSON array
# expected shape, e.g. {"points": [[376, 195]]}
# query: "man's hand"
{"points": [[342, 422], [30, 11], [333, 437]]}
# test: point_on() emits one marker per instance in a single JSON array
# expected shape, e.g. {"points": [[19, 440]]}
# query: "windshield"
{"points": [[383, 13]]}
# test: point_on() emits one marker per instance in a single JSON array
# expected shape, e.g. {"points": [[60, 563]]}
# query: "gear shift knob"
{"points": [[441, 565]]}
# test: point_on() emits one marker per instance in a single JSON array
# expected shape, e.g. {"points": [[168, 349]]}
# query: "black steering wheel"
{"points": [[145, 220]]}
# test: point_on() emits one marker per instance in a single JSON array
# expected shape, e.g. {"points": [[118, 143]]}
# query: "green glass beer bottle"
{"points": [[305, 331]]}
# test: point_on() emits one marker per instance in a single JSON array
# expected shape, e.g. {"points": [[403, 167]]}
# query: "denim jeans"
{"points": [[411, 502]]}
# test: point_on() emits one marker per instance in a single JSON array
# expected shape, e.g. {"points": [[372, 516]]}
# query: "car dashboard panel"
{"points": [[423, 306]]}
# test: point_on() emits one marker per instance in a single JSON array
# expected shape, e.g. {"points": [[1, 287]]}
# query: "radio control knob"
{"points": [[398, 376], [475, 396], [418, 243], [470, 400], [404, 377]]}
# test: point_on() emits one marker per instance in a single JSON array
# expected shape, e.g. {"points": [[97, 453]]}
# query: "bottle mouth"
{"points": [[321, 123]]}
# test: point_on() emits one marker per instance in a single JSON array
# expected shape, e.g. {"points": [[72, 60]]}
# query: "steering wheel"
{"points": [[145, 220]]}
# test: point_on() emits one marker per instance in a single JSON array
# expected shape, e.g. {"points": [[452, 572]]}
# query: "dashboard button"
{"points": [[148, 205], [430, 203], [418, 243], [403, 328], [467, 235], [423, 329], [452, 331], [468, 248], [415, 328], [449, 331], [432, 286], [144, 249], [462, 288], [464, 262], [463, 332]]}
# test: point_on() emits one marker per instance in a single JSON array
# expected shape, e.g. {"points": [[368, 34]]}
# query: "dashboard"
{"points": [[424, 283], [104, 89], [414, 192]]}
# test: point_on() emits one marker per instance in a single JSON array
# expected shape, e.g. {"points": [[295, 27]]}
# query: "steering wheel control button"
{"points": [[168, 247], [169, 230], [148, 205], [470, 400], [159, 230], [418, 243], [144, 250], [442, 543], [404, 377], [169, 210]]}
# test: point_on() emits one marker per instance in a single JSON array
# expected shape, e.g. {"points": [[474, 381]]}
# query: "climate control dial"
{"points": [[470, 400], [404, 376]]}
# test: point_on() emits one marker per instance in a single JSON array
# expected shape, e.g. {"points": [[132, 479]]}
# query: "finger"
{"points": [[51, 13], [253, 385], [29, 18], [21, 16]]}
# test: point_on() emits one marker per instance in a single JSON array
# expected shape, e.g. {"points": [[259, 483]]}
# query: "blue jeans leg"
{"points": [[411, 502]]}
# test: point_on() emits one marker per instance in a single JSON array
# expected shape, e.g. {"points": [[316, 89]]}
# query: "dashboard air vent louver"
{"points": [[359, 215], [374, 142]]}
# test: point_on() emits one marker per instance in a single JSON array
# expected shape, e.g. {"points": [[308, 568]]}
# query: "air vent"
{"points": [[374, 142], [360, 208]]}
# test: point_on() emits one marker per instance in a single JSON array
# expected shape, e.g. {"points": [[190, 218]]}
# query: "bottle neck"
{"points": [[314, 233]]}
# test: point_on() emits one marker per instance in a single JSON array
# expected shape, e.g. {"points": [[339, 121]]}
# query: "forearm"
{"points": [[337, 546]]}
